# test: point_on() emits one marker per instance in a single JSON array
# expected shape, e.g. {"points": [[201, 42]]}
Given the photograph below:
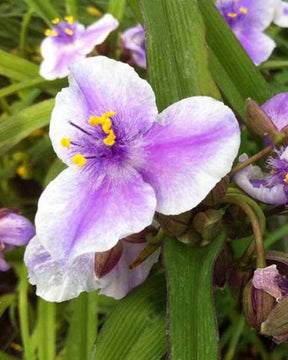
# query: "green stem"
{"points": [[24, 316], [260, 252], [230, 355], [274, 64], [24, 31], [47, 330], [251, 160]]}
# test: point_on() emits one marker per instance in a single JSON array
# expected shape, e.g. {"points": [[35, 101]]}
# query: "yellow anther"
{"points": [[232, 15], [54, 33], [65, 142], [69, 31], [286, 178], [110, 139], [69, 19], [47, 32], [24, 172], [79, 160], [243, 10], [96, 120], [56, 21], [108, 114], [107, 126]]}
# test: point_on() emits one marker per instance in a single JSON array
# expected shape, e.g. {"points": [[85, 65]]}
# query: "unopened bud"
{"points": [[260, 122], [175, 225], [105, 261], [141, 236], [208, 224], [276, 324], [223, 267], [217, 194], [257, 305]]}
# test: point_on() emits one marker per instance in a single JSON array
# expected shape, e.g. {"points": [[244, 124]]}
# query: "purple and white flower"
{"points": [[125, 161], [59, 282], [271, 186], [249, 19], [69, 41], [134, 40], [15, 230]]}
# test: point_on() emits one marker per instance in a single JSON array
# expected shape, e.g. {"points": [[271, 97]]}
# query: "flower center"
{"points": [[105, 122], [61, 28], [286, 178]]}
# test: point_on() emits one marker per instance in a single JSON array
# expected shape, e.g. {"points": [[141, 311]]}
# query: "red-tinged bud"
{"points": [[260, 122], [257, 305], [223, 267], [237, 281], [105, 261], [141, 236]]}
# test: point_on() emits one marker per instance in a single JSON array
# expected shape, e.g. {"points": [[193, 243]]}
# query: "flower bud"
{"points": [[223, 267], [175, 225], [257, 305], [260, 122], [208, 224], [217, 194], [105, 261], [141, 236], [276, 324]]}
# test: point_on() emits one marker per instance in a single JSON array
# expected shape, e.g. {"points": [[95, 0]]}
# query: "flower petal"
{"points": [[55, 281], [57, 58], [15, 229], [121, 279], [258, 45], [96, 33], [281, 14], [189, 151], [70, 106], [244, 179], [134, 40], [267, 279], [110, 85], [277, 109], [79, 213]]}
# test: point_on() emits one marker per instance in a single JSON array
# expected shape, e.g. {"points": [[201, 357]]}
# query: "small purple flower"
{"points": [[270, 187], [15, 230], [69, 41], [248, 19], [125, 161], [134, 40]]}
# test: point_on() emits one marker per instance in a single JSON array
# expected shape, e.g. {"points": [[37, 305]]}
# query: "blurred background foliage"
{"points": [[48, 331]]}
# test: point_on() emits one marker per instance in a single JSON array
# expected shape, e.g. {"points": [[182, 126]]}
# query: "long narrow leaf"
{"points": [[192, 328], [136, 328], [17, 127], [43, 8]]}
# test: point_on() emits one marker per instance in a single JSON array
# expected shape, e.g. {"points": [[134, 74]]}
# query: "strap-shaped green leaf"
{"points": [[17, 127], [235, 74], [192, 326], [83, 327], [176, 50], [43, 8], [17, 68], [136, 328]]}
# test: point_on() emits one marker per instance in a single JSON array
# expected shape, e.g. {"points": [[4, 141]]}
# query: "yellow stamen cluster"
{"points": [[69, 19], [65, 142], [106, 124], [242, 10], [79, 160], [49, 32], [55, 21], [286, 178], [232, 15]]}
